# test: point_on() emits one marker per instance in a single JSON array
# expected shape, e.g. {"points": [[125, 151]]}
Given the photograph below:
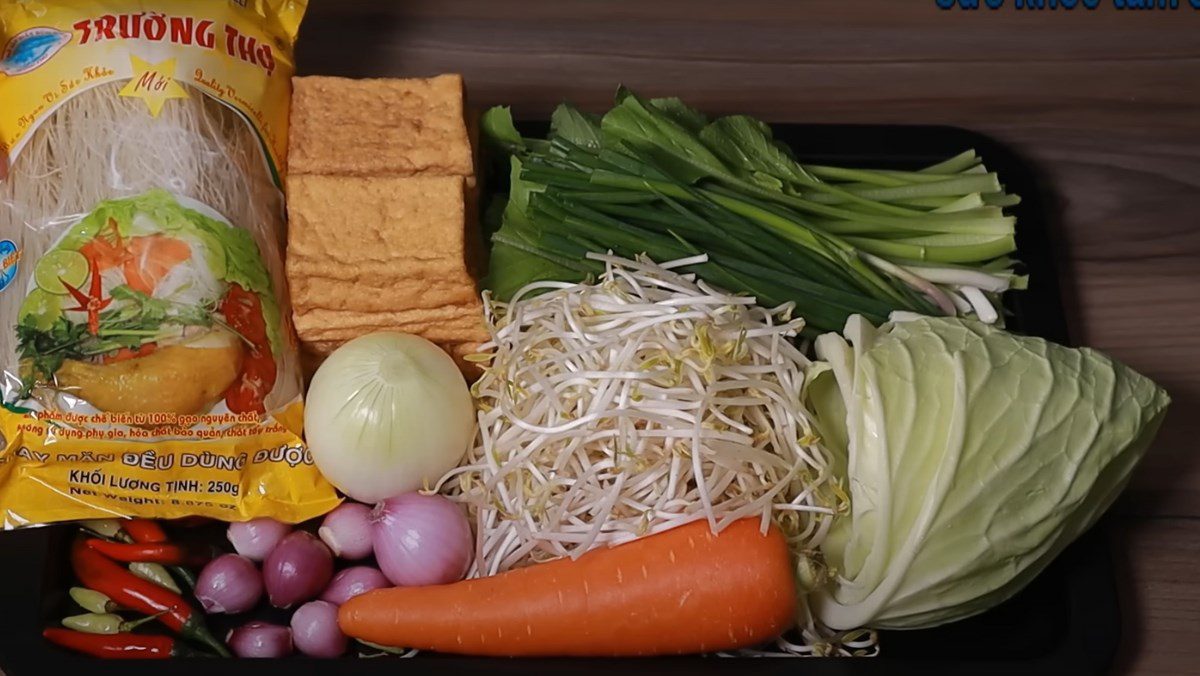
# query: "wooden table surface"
{"points": [[1105, 104]]}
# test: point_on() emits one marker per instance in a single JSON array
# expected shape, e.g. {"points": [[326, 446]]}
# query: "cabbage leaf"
{"points": [[973, 457]]}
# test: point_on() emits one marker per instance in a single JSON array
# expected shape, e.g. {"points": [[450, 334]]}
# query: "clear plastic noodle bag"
{"points": [[149, 363]]}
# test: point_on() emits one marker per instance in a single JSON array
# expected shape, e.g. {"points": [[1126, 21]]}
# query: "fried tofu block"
{"points": [[379, 127], [368, 254], [373, 244], [351, 291], [453, 323], [361, 223], [380, 274], [381, 194]]}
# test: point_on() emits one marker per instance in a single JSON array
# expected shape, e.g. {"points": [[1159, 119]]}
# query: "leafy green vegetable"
{"points": [[973, 456], [646, 129], [575, 126], [42, 351], [498, 129], [656, 177], [748, 143], [688, 117]]}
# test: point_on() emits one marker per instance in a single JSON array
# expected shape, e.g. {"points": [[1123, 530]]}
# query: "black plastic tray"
{"points": [[1066, 622]]}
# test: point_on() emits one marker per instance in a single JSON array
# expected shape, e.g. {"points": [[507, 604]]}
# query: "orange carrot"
{"points": [[681, 591], [150, 259]]}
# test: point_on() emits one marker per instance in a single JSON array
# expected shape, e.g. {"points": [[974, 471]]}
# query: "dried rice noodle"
{"points": [[99, 146]]}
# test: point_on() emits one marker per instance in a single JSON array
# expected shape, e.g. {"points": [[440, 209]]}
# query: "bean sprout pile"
{"points": [[647, 400]]}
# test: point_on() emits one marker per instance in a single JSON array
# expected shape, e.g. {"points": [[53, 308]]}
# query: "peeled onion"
{"points": [[315, 630], [387, 413], [260, 639], [353, 581], [297, 570], [347, 531], [254, 539], [229, 584], [421, 540]]}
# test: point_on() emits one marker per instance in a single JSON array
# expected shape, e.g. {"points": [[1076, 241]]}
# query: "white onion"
{"points": [[387, 413], [421, 540], [347, 531], [254, 539]]}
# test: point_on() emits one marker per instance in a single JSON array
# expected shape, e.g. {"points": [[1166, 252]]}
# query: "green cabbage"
{"points": [[973, 457]]}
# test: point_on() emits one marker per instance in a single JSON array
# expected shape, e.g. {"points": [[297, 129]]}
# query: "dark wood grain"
{"points": [[1104, 104], [1158, 557]]}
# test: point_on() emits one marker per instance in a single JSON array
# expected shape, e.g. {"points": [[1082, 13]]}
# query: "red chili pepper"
{"points": [[120, 646], [100, 573], [91, 302], [144, 530], [148, 531], [151, 552]]}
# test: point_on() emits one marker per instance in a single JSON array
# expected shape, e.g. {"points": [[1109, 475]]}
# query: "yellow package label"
{"points": [[149, 363], [162, 49]]}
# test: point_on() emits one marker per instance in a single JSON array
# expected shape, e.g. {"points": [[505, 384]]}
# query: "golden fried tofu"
{"points": [[355, 220], [370, 253], [381, 203], [379, 127]]}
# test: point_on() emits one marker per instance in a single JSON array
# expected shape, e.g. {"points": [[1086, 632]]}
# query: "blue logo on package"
{"points": [[31, 48], [9, 257]]}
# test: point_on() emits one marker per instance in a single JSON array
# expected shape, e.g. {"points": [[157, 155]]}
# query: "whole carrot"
{"points": [[681, 591]]}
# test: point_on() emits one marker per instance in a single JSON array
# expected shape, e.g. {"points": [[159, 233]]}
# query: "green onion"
{"points": [[668, 184]]}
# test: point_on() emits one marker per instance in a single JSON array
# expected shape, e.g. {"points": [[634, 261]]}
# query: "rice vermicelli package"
{"points": [[149, 365]]}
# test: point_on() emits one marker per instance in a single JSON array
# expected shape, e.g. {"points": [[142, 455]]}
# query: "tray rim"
{"points": [[1087, 647]]}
